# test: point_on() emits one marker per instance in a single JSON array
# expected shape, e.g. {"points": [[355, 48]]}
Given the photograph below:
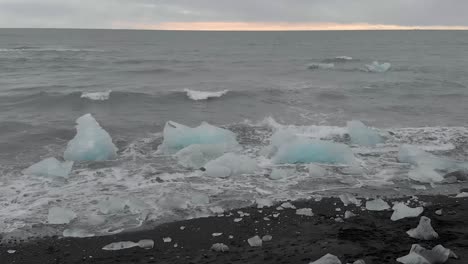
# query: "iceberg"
{"points": [[96, 96], [401, 210], [230, 164], [327, 259], [50, 167], [60, 216], [178, 136], [377, 67], [424, 230], [197, 155], [91, 143], [204, 95], [362, 135]]}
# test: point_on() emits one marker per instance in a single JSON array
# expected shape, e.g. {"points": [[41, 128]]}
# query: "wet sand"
{"points": [[370, 236]]}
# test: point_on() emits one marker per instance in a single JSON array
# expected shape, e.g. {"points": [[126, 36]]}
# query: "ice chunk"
{"points": [[219, 247], [323, 66], [349, 199], [50, 167], [267, 238], [304, 150], [377, 205], [362, 135], [316, 171], [401, 210], [203, 95], [462, 195], [196, 156], [11, 251], [349, 214], [59, 216], [288, 205], [178, 136], [146, 244], [255, 241], [96, 96], [277, 174], [91, 143], [74, 232], [420, 255], [230, 164], [262, 202], [305, 211], [216, 234], [327, 259], [167, 240], [377, 67], [418, 157], [425, 175], [438, 212], [424, 231]]}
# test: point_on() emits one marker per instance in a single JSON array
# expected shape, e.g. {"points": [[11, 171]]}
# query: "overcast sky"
{"points": [[231, 14]]}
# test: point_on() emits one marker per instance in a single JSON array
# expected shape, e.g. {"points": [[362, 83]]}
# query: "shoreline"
{"points": [[370, 235]]}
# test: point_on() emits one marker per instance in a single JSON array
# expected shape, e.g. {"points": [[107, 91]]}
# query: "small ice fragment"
{"points": [[266, 218], [288, 205], [462, 195], [424, 231], [277, 174], [146, 243], [401, 210], [236, 220], [74, 232], [339, 220], [120, 245], [438, 212], [279, 208], [50, 167], [261, 202], [316, 171], [182, 227], [276, 215], [349, 214], [230, 164], [96, 96], [111, 205], [305, 211], [91, 142], [327, 259], [377, 67], [167, 240], [338, 209], [217, 209], [216, 234], [59, 216], [219, 247], [176, 245], [11, 251], [377, 205], [359, 261], [255, 241], [231, 237], [267, 238], [362, 135], [349, 199]]}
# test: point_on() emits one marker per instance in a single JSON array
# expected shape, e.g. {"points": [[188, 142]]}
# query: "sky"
{"points": [[235, 14]]}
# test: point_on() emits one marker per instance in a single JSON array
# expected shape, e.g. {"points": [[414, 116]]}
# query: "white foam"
{"points": [[96, 96], [204, 95]]}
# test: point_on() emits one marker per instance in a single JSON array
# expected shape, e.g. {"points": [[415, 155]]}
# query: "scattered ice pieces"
{"points": [[230, 164], [50, 167], [377, 205], [327, 259], [348, 214], [75, 232], [316, 171], [288, 205], [438, 212], [462, 195], [60, 216], [262, 202], [91, 142], [255, 241], [167, 240], [401, 210], [305, 212], [219, 247], [377, 67], [217, 234], [267, 238], [420, 255], [348, 199], [362, 135], [242, 214], [11, 251], [424, 230], [146, 244]]}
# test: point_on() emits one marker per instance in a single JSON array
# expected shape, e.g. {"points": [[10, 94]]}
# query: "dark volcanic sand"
{"points": [[371, 236]]}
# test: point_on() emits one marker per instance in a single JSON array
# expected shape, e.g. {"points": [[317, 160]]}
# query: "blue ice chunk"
{"points": [[178, 136], [50, 167], [303, 150], [363, 135], [91, 143]]}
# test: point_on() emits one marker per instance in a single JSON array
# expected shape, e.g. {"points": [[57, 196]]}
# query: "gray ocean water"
{"points": [[423, 99]]}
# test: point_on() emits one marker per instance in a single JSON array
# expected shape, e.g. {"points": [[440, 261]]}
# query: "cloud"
{"points": [[259, 13]]}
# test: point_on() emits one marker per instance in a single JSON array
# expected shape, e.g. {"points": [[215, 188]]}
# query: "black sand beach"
{"points": [[370, 236]]}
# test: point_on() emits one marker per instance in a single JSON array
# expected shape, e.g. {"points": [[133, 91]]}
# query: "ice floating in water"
{"points": [[327, 259], [77, 233], [323, 66], [178, 136], [50, 167], [316, 171], [146, 244], [349, 199], [377, 67], [203, 95], [255, 241], [305, 211], [277, 174], [91, 143], [196, 156], [219, 247], [424, 231], [420, 255], [362, 135], [111, 205], [96, 96], [425, 175], [401, 210], [200, 199], [230, 164], [377, 205], [60, 216]]}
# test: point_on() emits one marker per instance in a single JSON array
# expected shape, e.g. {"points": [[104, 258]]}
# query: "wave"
{"points": [[204, 95], [338, 59], [46, 49], [96, 96]]}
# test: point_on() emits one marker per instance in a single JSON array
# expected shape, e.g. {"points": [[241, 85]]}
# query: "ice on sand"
{"points": [[178, 136], [50, 167], [420, 255], [362, 135], [230, 164], [316, 171], [377, 205], [401, 210], [146, 244], [91, 143], [267, 238], [255, 241], [305, 212], [60, 216], [263, 202], [377, 67], [219, 247], [327, 259], [424, 230], [76, 233], [197, 155], [349, 199]]}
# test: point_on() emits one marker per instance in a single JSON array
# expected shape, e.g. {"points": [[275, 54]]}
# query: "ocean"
{"points": [[260, 82]]}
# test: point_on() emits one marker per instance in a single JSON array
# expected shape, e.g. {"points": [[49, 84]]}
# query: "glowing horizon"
{"points": [[274, 26]]}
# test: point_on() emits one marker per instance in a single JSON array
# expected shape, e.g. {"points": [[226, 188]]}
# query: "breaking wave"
{"points": [[204, 95], [96, 96]]}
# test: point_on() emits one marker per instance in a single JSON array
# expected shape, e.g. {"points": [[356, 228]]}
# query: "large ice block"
{"points": [[197, 155], [362, 135], [50, 167]]}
